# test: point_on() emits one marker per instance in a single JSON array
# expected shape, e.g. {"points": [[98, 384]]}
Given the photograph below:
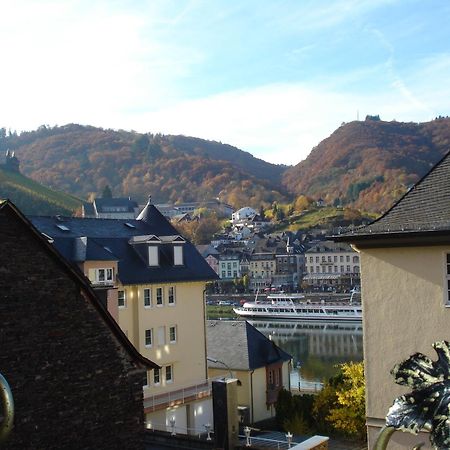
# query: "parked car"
{"points": [[225, 303]]}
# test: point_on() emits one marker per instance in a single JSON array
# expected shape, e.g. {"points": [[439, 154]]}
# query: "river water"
{"points": [[316, 347]]}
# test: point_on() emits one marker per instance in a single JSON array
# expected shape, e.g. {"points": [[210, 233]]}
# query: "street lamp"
{"points": [[217, 361]]}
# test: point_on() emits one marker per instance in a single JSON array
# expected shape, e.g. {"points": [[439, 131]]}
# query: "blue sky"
{"points": [[271, 77]]}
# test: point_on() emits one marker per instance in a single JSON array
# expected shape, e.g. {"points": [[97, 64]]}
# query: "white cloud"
{"points": [[280, 123]]}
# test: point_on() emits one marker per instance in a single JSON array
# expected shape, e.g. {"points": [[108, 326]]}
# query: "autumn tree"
{"points": [[340, 405], [199, 231], [351, 214], [349, 413], [301, 203]]}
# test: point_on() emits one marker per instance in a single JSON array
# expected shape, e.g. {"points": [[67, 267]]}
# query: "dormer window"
{"points": [[178, 255], [153, 255], [158, 251]]}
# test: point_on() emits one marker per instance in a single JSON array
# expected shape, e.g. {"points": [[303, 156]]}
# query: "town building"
{"points": [[248, 224], [331, 265], [211, 256], [405, 273], [157, 280], [111, 208], [170, 210], [242, 213], [237, 349], [229, 266], [262, 268], [75, 378]]}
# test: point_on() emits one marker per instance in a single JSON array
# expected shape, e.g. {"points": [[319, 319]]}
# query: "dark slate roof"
{"points": [[108, 239], [78, 277], [240, 346], [329, 246], [88, 209], [207, 249], [425, 208], [101, 203]]}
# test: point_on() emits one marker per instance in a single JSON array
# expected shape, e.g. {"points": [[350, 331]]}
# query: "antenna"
{"points": [[357, 115]]}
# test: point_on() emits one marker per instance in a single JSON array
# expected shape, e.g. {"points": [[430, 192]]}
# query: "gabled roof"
{"points": [[240, 346], [78, 277], [122, 238], [423, 210]]}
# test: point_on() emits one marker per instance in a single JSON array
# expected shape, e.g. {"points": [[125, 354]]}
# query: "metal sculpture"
{"points": [[427, 407], [8, 409]]}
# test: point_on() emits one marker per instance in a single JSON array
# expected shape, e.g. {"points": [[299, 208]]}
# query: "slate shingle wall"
{"points": [[74, 387]]}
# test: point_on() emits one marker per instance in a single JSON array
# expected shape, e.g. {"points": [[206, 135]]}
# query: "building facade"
{"points": [[229, 266], [332, 265], [237, 349], [158, 281], [262, 269], [242, 213], [405, 271], [111, 208]]}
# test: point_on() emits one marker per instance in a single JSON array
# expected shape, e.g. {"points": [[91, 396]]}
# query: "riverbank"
{"points": [[216, 312]]}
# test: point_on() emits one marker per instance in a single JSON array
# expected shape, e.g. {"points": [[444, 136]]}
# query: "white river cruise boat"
{"points": [[294, 306]]}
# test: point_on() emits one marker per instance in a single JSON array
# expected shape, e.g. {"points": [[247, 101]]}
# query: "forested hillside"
{"points": [[370, 164], [83, 160], [365, 164]]}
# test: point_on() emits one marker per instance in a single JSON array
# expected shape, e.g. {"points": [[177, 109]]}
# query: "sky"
{"points": [[270, 77]]}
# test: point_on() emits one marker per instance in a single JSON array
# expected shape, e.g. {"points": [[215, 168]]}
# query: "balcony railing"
{"points": [[103, 283], [179, 396]]}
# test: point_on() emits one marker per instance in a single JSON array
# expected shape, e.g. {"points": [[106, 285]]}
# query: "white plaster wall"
{"points": [[201, 413], [404, 312]]}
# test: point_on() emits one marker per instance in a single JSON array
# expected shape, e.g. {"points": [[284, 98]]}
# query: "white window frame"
{"points": [[171, 299], [175, 334], [149, 291], [119, 299], [104, 275], [148, 338], [169, 368], [153, 256], [99, 274], [178, 255], [159, 290], [147, 379], [156, 375]]}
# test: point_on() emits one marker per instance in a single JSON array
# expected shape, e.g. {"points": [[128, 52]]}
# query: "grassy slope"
{"points": [[316, 217], [34, 198]]}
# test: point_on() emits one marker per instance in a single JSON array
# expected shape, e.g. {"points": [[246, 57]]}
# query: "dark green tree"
{"points": [[140, 145], [107, 192]]}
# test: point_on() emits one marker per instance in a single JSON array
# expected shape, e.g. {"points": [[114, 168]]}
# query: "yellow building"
{"points": [[262, 269], [152, 281], [236, 349], [405, 280]]}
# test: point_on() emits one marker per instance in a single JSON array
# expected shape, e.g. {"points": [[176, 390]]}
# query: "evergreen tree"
{"points": [[107, 193]]}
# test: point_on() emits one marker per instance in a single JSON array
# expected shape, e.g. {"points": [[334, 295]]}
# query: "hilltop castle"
{"points": [[10, 163]]}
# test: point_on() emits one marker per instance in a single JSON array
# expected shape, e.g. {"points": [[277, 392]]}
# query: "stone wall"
{"points": [[74, 385]]}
